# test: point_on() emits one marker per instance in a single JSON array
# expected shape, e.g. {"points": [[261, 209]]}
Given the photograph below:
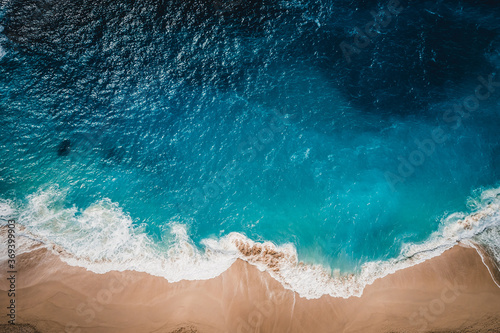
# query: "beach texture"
{"points": [[450, 293]]}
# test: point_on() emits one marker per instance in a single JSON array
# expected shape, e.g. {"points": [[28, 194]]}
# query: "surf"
{"points": [[102, 238]]}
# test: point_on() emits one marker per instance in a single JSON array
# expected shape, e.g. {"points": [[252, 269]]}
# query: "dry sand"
{"points": [[450, 293]]}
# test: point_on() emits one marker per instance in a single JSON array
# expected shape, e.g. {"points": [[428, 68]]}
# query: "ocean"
{"points": [[327, 142]]}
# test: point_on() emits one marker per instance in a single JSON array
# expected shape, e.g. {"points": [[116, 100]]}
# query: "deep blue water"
{"points": [[247, 117]]}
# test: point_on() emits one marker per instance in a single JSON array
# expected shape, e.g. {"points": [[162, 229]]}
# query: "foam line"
{"points": [[103, 238]]}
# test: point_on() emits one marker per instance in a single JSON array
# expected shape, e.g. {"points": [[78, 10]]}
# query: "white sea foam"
{"points": [[102, 238], [6, 209]]}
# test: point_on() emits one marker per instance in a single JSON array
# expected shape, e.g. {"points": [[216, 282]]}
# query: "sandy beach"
{"points": [[450, 293], [249, 166]]}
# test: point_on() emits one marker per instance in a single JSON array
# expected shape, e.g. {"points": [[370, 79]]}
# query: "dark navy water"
{"points": [[251, 117]]}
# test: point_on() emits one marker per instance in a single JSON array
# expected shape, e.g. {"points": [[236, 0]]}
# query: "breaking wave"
{"points": [[102, 237]]}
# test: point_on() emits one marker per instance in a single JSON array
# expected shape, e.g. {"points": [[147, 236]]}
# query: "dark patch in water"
{"points": [[427, 49], [64, 148], [114, 155]]}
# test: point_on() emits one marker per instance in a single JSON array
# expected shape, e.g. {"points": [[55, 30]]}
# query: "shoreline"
{"points": [[95, 248], [450, 292]]}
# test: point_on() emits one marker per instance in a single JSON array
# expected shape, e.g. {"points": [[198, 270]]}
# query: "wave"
{"points": [[103, 238]]}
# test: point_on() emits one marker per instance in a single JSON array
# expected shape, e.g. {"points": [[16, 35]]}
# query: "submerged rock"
{"points": [[64, 148]]}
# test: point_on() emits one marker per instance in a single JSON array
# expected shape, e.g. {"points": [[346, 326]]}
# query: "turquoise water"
{"points": [[249, 120]]}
